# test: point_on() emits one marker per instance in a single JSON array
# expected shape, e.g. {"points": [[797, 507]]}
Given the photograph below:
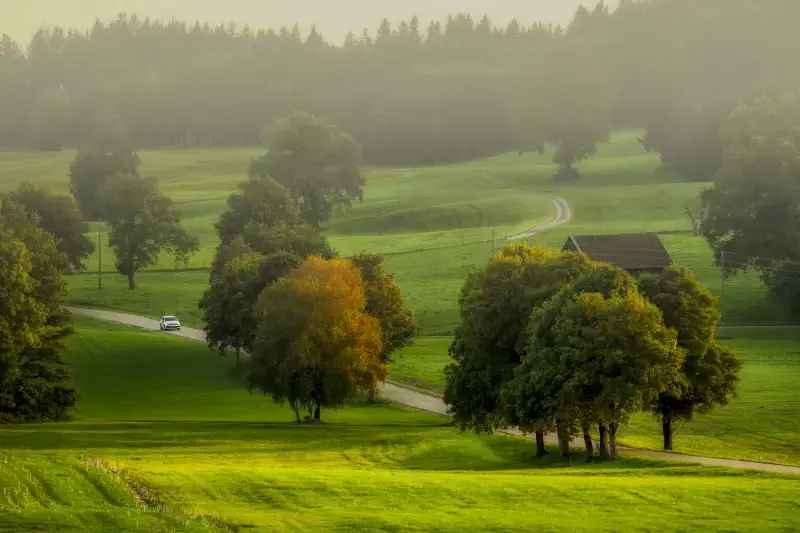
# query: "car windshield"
{"points": [[170, 319]]}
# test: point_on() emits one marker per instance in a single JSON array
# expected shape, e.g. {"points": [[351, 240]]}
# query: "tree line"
{"points": [[553, 342], [454, 90]]}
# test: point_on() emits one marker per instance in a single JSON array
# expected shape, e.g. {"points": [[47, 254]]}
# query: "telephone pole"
{"points": [[99, 260], [722, 289]]}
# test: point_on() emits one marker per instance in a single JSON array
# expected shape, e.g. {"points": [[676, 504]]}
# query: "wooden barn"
{"points": [[638, 253]]}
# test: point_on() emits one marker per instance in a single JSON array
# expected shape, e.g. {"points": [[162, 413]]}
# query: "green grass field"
{"points": [[759, 425], [434, 224], [166, 440]]}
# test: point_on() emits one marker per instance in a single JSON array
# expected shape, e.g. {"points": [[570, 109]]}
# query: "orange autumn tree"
{"points": [[316, 346]]}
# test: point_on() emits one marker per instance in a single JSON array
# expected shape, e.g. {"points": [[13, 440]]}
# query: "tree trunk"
{"points": [[318, 412], [238, 356], [372, 396], [541, 450], [603, 442], [666, 429], [587, 442], [563, 439], [296, 407], [612, 430], [132, 281]]}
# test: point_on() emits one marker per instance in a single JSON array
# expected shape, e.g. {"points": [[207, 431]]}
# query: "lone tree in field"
{"points": [[710, 371], [33, 374], [60, 216], [316, 162], [496, 303], [316, 345], [106, 156], [751, 220], [143, 224]]}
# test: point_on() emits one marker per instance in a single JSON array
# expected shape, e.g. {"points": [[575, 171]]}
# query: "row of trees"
{"points": [[455, 90], [317, 329], [33, 325], [553, 342]]}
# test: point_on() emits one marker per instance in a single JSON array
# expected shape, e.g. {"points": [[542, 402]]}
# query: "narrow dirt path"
{"points": [[435, 405], [563, 213]]}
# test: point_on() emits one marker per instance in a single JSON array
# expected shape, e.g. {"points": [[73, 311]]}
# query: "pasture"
{"points": [[166, 439], [433, 224], [758, 425]]}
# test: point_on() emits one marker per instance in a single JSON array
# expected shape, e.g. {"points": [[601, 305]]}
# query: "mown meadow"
{"points": [[166, 439]]}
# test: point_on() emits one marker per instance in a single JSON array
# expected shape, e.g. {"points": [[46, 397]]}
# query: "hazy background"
{"points": [[334, 18]]}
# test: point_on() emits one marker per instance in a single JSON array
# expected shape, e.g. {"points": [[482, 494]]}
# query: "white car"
{"points": [[169, 323]]}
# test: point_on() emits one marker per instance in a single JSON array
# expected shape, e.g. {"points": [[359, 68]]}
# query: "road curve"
{"points": [[563, 215], [435, 405]]}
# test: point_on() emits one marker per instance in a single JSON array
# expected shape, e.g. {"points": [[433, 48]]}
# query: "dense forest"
{"points": [[454, 90]]}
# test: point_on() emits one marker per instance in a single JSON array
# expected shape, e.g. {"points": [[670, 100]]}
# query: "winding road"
{"points": [[435, 405]]}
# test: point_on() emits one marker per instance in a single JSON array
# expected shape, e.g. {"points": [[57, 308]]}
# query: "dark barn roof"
{"points": [[633, 252]]}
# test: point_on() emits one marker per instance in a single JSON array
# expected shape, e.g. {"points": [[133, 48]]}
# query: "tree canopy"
{"points": [[105, 156], [750, 220], [33, 374], [143, 224], [315, 161], [316, 345], [58, 215]]}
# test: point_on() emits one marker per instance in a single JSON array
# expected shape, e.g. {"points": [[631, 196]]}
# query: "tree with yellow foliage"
{"points": [[316, 345]]}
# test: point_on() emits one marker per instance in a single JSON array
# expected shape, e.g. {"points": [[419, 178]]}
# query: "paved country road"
{"points": [[435, 405]]}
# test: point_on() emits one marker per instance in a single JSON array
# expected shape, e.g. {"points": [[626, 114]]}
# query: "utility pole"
{"points": [[99, 260], [722, 290]]}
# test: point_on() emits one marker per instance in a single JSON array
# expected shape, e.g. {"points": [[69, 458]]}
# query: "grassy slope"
{"points": [[369, 468], [420, 218], [759, 425]]}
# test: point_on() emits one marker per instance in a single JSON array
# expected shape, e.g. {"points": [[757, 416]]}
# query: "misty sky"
{"points": [[334, 18]]}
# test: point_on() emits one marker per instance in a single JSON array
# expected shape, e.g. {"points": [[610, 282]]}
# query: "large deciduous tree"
{"points": [[710, 371], [317, 162], [229, 302], [496, 303], [33, 374], [751, 219], [316, 344], [107, 155], [597, 352], [60, 216], [143, 224]]}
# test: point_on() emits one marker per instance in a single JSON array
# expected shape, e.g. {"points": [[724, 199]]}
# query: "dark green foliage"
{"points": [[228, 304], [385, 303], [568, 100], [58, 215], [106, 156], [496, 303], [597, 352], [456, 90], [262, 201], [33, 376], [316, 162], [143, 224], [710, 371], [751, 217]]}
